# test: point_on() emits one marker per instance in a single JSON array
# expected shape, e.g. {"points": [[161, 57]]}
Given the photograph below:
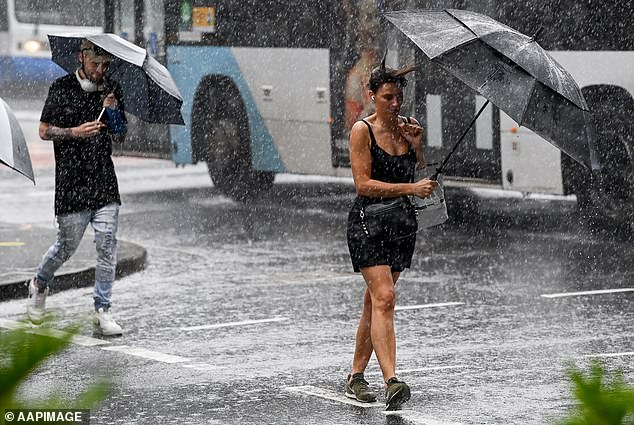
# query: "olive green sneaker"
{"points": [[396, 393], [359, 389]]}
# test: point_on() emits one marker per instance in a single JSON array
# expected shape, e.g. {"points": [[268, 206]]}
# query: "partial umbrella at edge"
{"points": [[149, 91], [14, 152], [508, 68]]}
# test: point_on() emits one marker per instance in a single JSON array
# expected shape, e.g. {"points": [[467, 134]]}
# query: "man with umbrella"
{"points": [[83, 115]]}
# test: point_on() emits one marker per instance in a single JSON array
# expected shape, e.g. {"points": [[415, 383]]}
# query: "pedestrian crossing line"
{"points": [[87, 341], [421, 369], [416, 417], [331, 395], [82, 340], [622, 354], [231, 324], [202, 366], [420, 306], [147, 354], [594, 292]]}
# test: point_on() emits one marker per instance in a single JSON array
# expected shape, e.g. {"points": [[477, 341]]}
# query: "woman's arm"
{"points": [[361, 163]]}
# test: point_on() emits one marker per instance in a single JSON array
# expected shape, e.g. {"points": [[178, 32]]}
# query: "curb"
{"points": [[132, 259]]}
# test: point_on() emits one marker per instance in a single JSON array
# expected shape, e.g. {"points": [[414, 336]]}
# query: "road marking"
{"points": [[417, 417], [623, 354], [202, 366], [82, 340], [146, 354], [10, 244], [230, 324], [595, 292], [331, 395], [421, 369], [416, 307], [410, 415]]}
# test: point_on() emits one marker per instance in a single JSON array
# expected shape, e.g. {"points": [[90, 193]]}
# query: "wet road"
{"points": [[246, 313]]}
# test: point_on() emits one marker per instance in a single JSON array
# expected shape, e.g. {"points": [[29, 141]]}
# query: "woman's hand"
{"points": [[423, 188], [412, 132]]}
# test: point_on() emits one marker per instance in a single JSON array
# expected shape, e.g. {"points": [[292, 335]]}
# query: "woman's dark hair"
{"points": [[383, 74]]}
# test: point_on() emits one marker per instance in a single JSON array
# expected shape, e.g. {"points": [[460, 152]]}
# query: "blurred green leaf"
{"points": [[603, 399], [22, 351]]}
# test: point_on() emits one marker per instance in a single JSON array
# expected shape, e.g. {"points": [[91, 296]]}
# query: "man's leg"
{"points": [[70, 229], [105, 222]]}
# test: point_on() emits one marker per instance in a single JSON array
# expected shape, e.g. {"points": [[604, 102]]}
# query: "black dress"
{"points": [[364, 251]]}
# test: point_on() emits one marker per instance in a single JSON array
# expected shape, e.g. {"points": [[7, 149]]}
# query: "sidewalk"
{"points": [[22, 248]]}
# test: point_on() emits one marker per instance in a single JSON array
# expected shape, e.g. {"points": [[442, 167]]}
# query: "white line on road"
{"points": [[410, 415], [85, 341], [623, 354], [595, 292], [147, 354], [331, 395], [230, 324], [417, 417], [416, 307], [421, 369]]}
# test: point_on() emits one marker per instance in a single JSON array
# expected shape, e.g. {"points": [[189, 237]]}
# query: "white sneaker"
{"points": [[105, 324], [36, 303]]}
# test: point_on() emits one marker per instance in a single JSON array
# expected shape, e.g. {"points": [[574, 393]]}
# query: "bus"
{"points": [[25, 57], [274, 86]]}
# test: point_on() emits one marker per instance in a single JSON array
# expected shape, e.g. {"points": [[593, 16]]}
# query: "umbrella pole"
{"points": [[439, 169]]}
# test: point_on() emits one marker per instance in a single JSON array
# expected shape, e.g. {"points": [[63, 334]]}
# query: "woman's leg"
{"points": [[363, 348], [380, 281]]}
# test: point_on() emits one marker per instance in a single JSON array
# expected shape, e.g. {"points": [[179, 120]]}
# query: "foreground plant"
{"points": [[22, 351], [603, 399]]}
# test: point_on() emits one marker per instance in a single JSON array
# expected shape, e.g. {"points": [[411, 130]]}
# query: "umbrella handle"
{"points": [[455, 146]]}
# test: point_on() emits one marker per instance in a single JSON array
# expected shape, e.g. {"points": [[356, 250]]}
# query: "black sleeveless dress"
{"points": [[364, 251]]}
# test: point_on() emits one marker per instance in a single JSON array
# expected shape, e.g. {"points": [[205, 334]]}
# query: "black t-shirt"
{"points": [[85, 178]]}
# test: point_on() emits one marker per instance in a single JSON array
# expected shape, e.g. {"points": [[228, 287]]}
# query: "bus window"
{"points": [[68, 12], [4, 16]]}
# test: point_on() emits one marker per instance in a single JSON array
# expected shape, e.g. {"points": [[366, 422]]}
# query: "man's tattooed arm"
{"points": [[57, 133]]}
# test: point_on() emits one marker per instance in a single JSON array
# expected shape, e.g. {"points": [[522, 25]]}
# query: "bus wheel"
{"points": [[607, 197], [222, 137]]}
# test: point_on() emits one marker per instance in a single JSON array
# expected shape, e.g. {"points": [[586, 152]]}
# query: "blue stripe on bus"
{"points": [[24, 69], [188, 66]]}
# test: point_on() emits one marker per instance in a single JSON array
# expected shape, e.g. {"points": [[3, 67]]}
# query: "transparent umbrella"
{"points": [[14, 152], [509, 69]]}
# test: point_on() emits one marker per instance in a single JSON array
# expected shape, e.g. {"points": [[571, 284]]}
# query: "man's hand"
{"points": [[88, 129], [110, 101]]}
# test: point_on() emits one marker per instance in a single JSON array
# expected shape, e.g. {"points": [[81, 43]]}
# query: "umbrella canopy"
{"points": [[13, 150], [149, 90], [508, 68]]}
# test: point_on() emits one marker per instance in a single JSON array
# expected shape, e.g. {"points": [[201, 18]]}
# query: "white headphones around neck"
{"points": [[87, 85], [373, 98]]}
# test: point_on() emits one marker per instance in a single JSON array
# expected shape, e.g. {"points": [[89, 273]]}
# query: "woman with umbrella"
{"points": [[384, 151]]}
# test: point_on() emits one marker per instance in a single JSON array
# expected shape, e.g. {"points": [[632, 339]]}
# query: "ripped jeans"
{"points": [[70, 230]]}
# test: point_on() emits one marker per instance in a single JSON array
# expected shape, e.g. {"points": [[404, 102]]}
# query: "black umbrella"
{"points": [[509, 69], [149, 90]]}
